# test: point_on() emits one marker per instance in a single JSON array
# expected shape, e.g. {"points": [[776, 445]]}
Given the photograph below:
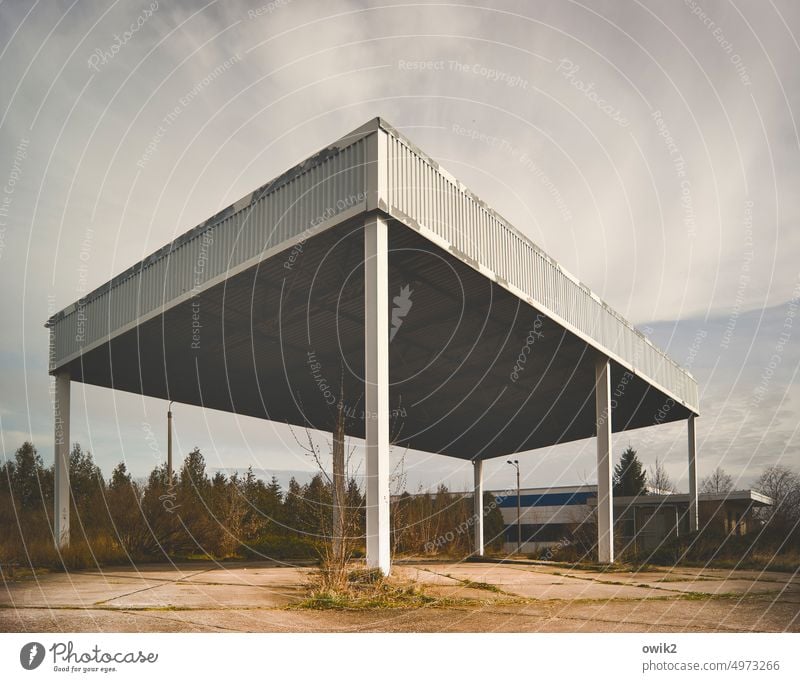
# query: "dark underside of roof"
{"points": [[474, 371]]}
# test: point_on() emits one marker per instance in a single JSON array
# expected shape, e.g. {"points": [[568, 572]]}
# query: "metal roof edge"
{"points": [[735, 495], [384, 125], [245, 201]]}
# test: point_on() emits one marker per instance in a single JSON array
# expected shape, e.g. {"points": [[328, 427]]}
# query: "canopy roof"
{"points": [[260, 311]]}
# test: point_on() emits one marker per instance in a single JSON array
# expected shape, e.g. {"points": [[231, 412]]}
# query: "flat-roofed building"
{"points": [[551, 516]]}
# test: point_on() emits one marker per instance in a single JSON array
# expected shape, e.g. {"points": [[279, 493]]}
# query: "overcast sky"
{"points": [[650, 147]]}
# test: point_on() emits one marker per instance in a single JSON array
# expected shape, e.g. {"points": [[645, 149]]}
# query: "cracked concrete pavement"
{"points": [[512, 596]]}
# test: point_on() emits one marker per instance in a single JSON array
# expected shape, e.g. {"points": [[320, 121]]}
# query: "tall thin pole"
{"points": [[519, 517], [339, 484], [477, 505], [61, 465], [605, 490], [693, 519], [169, 444]]}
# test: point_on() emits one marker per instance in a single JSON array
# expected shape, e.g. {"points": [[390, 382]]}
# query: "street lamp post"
{"points": [[169, 444], [519, 521]]}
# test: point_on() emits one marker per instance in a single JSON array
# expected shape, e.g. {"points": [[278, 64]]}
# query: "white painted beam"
{"points": [[61, 452], [376, 379], [605, 501], [478, 505], [693, 517]]}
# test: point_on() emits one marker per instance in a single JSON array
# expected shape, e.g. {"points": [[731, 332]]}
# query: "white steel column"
{"points": [[605, 502], [376, 380], [61, 453], [477, 501], [693, 520]]}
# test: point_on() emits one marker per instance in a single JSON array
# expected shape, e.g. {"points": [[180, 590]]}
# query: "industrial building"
{"points": [[549, 517], [368, 274]]}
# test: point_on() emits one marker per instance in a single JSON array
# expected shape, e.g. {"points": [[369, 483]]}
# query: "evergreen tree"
{"points": [[293, 505], [271, 507], [193, 496], [26, 478], [274, 490], [317, 502], [123, 502], [120, 477], [88, 491], [629, 476], [218, 499], [255, 498], [193, 473], [160, 507]]}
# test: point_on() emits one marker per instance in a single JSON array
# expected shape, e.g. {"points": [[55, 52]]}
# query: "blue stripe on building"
{"points": [[545, 500]]}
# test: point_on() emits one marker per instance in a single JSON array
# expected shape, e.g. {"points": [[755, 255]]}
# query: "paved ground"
{"points": [[507, 597]]}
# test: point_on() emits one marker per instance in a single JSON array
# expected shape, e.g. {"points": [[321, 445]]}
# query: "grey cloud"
{"points": [[323, 70]]}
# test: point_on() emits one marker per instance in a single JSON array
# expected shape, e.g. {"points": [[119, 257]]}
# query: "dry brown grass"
{"points": [[362, 589], [42, 553]]}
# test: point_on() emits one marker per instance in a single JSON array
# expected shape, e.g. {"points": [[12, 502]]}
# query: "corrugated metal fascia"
{"points": [[338, 171], [404, 158], [243, 203]]}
